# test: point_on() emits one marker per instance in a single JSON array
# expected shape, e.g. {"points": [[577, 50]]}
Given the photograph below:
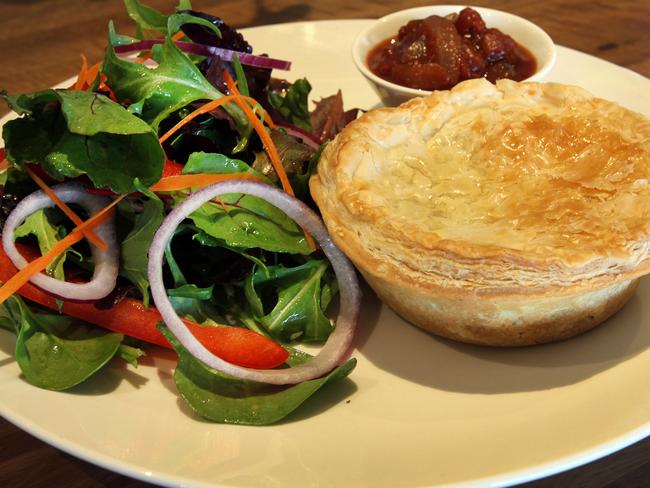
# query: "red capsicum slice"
{"points": [[130, 317]]}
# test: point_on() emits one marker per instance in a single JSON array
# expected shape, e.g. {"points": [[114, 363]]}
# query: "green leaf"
{"points": [[73, 132], [47, 235], [176, 21], [130, 354], [221, 398], [191, 291], [250, 222], [295, 104], [215, 163], [149, 19], [57, 352], [135, 246], [295, 157], [190, 300], [116, 39], [158, 92], [297, 311], [242, 82], [146, 17]]}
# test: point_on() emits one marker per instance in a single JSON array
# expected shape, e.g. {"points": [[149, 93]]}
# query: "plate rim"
{"points": [[133, 470]]}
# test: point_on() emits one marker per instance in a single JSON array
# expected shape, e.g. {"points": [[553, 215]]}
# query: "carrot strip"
{"points": [[254, 104], [88, 233], [19, 279], [91, 74], [82, 74], [183, 182], [271, 150], [264, 135], [201, 110], [178, 36]]}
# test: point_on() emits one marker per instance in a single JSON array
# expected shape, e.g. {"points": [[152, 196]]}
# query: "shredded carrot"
{"points": [[183, 182], [271, 150], [12, 285], [178, 36], [254, 104], [269, 146], [209, 106], [88, 233], [264, 135], [201, 110], [81, 77], [91, 74]]}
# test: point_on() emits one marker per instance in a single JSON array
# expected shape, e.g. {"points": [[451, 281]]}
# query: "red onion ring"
{"points": [[106, 262], [339, 341], [205, 50]]}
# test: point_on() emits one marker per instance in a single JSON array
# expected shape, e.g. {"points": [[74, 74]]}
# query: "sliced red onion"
{"points": [[106, 262], [338, 343], [205, 50], [307, 138]]}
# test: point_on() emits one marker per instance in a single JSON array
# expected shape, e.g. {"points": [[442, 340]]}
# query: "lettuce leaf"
{"points": [[72, 133]]}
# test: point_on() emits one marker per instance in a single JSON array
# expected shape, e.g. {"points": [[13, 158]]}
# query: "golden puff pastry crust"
{"points": [[506, 215]]}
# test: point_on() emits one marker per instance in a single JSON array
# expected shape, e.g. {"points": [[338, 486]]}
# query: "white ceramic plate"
{"points": [[417, 411]]}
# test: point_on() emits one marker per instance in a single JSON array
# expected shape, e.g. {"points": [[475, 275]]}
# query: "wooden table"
{"points": [[40, 43]]}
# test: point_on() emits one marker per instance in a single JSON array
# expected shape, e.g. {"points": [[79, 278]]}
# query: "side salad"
{"points": [[162, 199]]}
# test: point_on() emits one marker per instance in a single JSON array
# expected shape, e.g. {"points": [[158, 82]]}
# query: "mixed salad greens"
{"points": [[182, 106]]}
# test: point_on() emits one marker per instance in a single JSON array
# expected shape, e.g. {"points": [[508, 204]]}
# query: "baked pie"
{"points": [[507, 214]]}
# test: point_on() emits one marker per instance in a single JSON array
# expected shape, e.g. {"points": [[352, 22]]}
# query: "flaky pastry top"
{"points": [[545, 183]]}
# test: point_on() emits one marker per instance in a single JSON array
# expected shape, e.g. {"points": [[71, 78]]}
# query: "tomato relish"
{"points": [[436, 53]]}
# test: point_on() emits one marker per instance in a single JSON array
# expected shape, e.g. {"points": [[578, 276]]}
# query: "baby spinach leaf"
{"points": [[57, 352], [222, 398], [74, 132], [135, 246], [297, 311]]}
